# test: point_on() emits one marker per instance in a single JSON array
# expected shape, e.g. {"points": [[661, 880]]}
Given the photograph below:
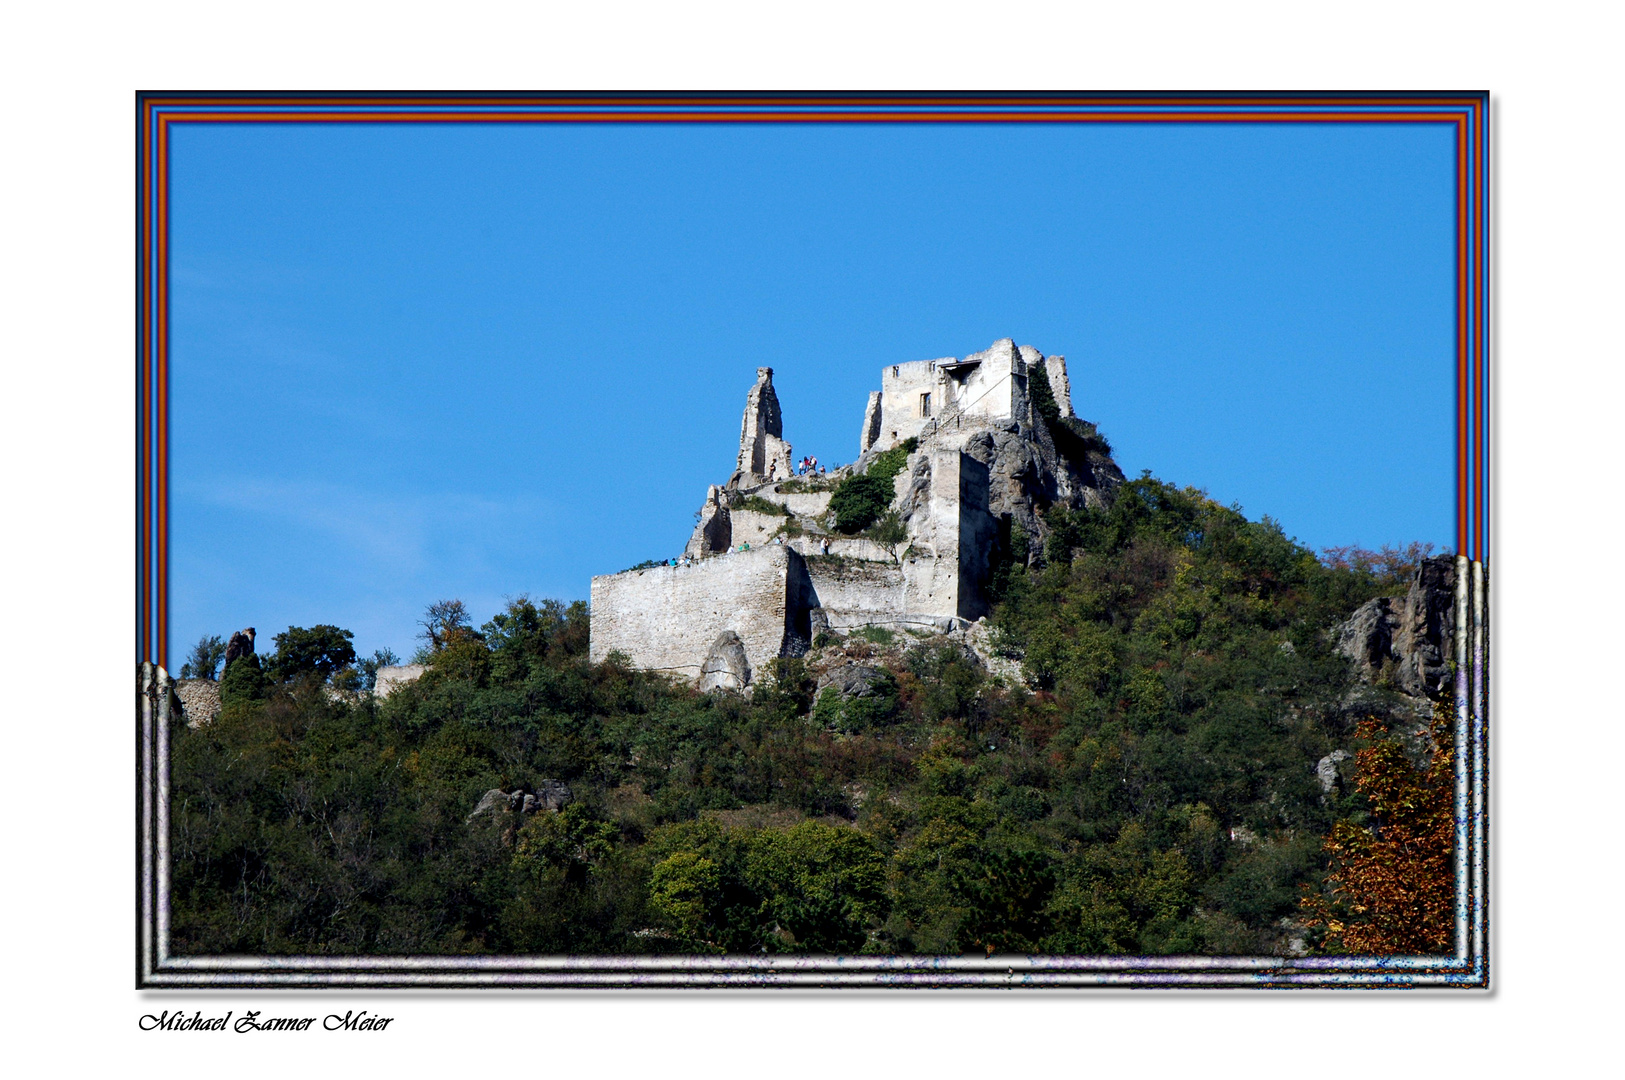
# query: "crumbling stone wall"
{"points": [[921, 397], [713, 533], [199, 699], [666, 618], [391, 678], [849, 593]]}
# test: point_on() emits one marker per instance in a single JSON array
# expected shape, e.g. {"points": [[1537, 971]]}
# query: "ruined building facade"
{"points": [[996, 444]]}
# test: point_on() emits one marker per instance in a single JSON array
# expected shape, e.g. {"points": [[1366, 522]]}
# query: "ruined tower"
{"points": [[763, 453]]}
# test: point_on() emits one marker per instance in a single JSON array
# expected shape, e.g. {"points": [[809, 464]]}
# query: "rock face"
{"points": [[1425, 635], [1409, 638], [726, 666], [241, 644], [550, 795], [852, 680], [1367, 638], [1330, 771]]}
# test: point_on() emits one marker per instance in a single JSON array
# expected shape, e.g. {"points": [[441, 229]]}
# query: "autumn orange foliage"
{"points": [[1389, 890]]}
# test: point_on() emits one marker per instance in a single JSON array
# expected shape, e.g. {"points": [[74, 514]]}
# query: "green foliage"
{"points": [[857, 714], [646, 564], [1153, 791], [813, 887], [799, 484], [878, 635], [1076, 440], [321, 650], [367, 669], [889, 532], [243, 681], [763, 506], [863, 497], [204, 658]]}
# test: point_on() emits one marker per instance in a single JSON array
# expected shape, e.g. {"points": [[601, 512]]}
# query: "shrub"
{"points": [[806, 484], [862, 498], [1074, 439], [889, 531], [762, 506]]}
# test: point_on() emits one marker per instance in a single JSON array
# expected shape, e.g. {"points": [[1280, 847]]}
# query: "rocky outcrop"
{"points": [[1425, 635], [977, 641], [241, 644], [853, 680], [725, 667], [549, 795], [1332, 771], [1367, 638], [1406, 641]]}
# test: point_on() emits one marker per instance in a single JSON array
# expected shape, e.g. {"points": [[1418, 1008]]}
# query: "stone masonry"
{"points": [[667, 618]]}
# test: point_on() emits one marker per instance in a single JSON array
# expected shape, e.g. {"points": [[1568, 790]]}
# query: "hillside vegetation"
{"points": [[1151, 791]]}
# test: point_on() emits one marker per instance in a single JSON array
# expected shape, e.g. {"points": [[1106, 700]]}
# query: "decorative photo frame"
{"points": [[1466, 965]]}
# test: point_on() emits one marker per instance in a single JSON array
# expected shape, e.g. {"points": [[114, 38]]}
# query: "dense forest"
{"points": [[1149, 787]]}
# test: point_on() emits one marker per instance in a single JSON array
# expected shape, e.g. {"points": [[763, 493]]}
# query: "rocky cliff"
{"points": [[1407, 641]]}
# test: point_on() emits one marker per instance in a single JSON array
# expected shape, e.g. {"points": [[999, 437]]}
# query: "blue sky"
{"points": [[413, 363]]}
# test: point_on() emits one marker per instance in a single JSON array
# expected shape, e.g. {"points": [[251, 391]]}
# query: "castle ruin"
{"points": [[995, 444]]}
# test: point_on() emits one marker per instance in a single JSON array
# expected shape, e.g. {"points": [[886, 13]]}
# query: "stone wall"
{"points": [[753, 528], [852, 593], [200, 700], [847, 547], [902, 387], [666, 618], [391, 679], [807, 504]]}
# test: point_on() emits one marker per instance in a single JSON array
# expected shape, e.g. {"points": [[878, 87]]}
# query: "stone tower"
{"points": [[763, 453]]}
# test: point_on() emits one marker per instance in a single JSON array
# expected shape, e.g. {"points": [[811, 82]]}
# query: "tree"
{"points": [[821, 887], [243, 681], [367, 669], [443, 621], [1389, 891], [889, 532], [322, 649], [205, 657]]}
